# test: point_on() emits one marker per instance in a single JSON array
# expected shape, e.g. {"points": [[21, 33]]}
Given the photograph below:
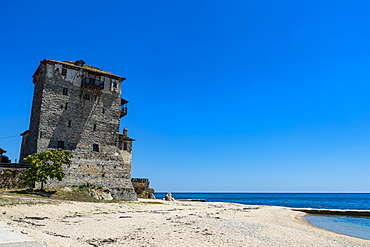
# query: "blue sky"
{"points": [[248, 96]]}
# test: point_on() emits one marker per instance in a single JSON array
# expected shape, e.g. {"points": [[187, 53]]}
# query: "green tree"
{"points": [[47, 165]]}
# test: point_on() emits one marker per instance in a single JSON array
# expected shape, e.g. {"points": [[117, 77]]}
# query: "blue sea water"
{"points": [[353, 226]]}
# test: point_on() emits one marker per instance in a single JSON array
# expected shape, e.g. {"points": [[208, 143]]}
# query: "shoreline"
{"points": [[158, 223], [335, 212], [305, 221], [340, 228]]}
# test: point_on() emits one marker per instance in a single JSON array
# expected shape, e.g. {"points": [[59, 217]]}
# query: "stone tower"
{"points": [[78, 107]]}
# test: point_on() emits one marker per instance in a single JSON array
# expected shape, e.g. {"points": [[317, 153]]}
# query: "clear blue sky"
{"points": [[224, 95]]}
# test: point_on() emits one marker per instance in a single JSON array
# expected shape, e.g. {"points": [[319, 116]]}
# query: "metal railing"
{"points": [[123, 110], [139, 180], [14, 165]]}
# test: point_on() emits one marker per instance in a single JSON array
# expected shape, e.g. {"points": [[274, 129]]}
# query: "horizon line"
{"points": [[241, 192]]}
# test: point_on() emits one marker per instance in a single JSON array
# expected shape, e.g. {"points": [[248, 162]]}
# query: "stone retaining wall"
{"points": [[12, 178], [141, 186]]}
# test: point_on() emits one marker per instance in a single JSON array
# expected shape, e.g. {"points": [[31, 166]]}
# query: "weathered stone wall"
{"points": [[12, 178], [141, 187], [102, 169], [79, 117], [30, 139]]}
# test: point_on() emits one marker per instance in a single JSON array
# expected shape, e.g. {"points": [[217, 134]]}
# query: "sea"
{"points": [[352, 226]]}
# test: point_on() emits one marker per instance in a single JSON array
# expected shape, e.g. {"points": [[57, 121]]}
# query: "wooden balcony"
{"points": [[123, 109], [92, 83]]}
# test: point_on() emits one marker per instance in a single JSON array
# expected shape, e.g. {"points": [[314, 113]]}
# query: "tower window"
{"points": [[103, 110], [125, 146], [115, 84], [65, 91], [94, 128], [87, 96], [61, 144], [96, 147], [64, 71], [69, 123], [92, 81]]}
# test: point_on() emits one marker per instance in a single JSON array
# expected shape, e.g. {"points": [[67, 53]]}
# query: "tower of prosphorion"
{"points": [[78, 107]]}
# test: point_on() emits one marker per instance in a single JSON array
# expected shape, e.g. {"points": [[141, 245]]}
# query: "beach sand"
{"points": [[179, 223]]}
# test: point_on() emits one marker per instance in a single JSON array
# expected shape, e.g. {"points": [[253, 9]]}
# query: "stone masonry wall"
{"points": [[80, 118], [100, 169], [141, 186], [12, 178]]}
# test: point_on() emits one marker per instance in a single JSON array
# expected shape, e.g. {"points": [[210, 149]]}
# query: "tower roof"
{"points": [[80, 64]]}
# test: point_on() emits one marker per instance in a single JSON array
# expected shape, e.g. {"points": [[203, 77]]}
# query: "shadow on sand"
{"points": [[37, 192]]}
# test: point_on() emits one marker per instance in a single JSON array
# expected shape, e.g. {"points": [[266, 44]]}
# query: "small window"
{"points": [[87, 96], [125, 146], [69, 123], [66, 106], [61, 144], [94, 128], [64, 71], [65, 91], [103, 110], [115, 84], [96, 147]]}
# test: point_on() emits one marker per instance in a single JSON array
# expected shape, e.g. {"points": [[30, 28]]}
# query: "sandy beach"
{"points": [[158, 223]]}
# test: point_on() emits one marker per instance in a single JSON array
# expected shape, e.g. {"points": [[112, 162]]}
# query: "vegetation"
{"points": [[47, 165], [156, 202], [87, 186], [81, 193], [13, 200]]}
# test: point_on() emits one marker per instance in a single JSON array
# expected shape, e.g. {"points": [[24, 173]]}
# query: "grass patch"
{"points": [[79, 193], [74, 194], [151, 202], [37, 192], [81, 196], [13, 201]]}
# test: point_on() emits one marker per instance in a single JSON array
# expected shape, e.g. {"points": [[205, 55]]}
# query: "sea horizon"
{"points": [[276, 192], [322, 200]]}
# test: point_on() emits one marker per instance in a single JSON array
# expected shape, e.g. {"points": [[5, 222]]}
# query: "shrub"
{"points": [[47, 165]]}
